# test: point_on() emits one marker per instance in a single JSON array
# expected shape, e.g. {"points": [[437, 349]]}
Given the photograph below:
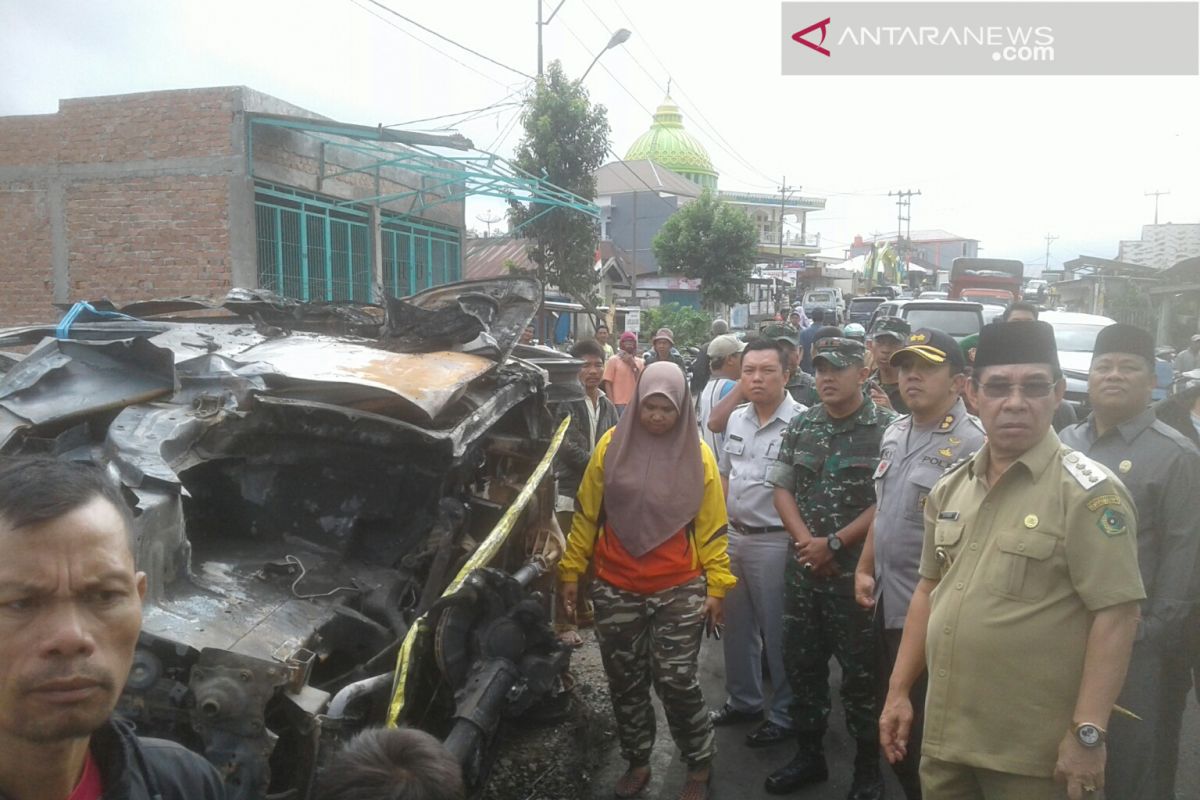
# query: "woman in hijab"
{"points": [[650, 514]]}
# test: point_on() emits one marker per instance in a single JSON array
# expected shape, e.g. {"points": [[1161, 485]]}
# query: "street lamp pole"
{"points": [[620, 36], [541, 24]]}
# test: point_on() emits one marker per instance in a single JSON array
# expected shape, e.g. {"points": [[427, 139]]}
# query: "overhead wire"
{"points": [[465, 114], [716, 136], [714, 140], [432, 47], [444, 38]]}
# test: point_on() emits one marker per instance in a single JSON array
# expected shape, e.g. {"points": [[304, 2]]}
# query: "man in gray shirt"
{"points": [[1161, 469], [915, 450], [759, 547]]}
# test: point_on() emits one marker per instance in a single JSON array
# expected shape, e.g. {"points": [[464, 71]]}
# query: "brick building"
{"points": [[192, 192]]}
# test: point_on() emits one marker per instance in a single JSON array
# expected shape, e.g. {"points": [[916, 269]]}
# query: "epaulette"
{"points": [[1087, 473], [957, 465]]}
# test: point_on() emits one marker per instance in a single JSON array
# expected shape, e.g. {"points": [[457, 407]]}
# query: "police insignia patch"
{"points": [[946, 452], [954, 440], [1112, 522], [947, 422]]}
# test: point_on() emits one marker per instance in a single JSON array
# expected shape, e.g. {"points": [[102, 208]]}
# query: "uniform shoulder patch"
{"points": [[1087, 473], [1112, 522], [1097, 503]]}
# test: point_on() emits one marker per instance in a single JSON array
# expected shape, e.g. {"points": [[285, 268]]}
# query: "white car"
{"points": [[1075, 335]]}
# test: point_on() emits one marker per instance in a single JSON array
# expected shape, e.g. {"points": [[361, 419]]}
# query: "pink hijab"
{"points": [[653, 485]]}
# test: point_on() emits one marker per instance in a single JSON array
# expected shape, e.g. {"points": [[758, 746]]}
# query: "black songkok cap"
{"points": [[1023, 342], [1122, 338]]}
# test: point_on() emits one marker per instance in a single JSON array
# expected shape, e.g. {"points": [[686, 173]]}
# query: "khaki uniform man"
{"points": [[1028, 600]]}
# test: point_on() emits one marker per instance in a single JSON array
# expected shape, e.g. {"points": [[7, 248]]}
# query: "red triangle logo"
{"points": [[798, 36]]}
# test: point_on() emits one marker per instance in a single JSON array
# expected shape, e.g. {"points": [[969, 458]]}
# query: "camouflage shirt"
{"points": [[892, 390], [828, 465]]}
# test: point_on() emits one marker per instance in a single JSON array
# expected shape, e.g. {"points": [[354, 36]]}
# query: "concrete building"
{"points": [[935, 249], [192, 192]]}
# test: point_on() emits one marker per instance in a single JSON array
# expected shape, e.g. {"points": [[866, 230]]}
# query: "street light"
{"points": [[619, 37]]}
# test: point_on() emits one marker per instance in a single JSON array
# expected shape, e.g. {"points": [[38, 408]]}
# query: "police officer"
{"points": [[915, 451], [759, 547], [1161, 469], [825, 497], [1028, 599], [889, 335]]}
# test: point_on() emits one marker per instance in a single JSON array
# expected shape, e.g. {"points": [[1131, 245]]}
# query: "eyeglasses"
{"points": [[999, 391]]}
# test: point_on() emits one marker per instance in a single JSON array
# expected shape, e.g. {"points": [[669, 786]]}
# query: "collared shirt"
{"points": [[748, 452], [1021, 568], [828, 465], [911, 459], [710, 395], [622, 376], [1161, 470]]}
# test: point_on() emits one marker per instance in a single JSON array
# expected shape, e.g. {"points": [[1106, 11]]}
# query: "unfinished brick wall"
{"points": [[130, 194]]}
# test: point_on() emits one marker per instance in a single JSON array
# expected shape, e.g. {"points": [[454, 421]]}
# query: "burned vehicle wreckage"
{"points": [[344, 512]]}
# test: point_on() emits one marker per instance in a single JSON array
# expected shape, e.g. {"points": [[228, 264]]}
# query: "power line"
{"points": [[695, 106], [459, 45], [465, 114], [419, 40]]}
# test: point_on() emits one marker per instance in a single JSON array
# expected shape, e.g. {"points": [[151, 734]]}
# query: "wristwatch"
{"points": [[1089, 735], [835, 544]]}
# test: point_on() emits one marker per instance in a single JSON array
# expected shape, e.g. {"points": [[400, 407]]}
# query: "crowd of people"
{"points": [[1012, 599], [1011, 594]]}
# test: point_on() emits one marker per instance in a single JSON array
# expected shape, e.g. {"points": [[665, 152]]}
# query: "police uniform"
{"points": [[1161, 469], [828, 465], [759, 547]]}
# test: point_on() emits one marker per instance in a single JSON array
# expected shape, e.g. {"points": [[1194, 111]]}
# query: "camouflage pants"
{"points": [[654, 637], [819, 623]]}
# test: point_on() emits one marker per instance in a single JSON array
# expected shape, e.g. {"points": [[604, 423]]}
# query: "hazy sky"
{"points": [[1003, 160]]}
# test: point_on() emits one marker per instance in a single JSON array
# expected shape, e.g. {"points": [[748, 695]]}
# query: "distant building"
{"points": [[1161, 246], [932, 249]]}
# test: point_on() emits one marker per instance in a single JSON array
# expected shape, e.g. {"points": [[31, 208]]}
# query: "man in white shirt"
{"points": [[725, 362]]}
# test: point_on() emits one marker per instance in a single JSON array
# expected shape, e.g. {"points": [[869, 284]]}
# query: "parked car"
{"points": [[830, 300], [1075, 335], [957, 318], [340, 510], [860, 309]]}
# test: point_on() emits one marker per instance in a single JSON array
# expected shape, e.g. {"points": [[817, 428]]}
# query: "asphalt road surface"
{"points": [[739, 771]]}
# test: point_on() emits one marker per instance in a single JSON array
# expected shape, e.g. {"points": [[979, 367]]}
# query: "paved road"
{"points": [[739, 771]]}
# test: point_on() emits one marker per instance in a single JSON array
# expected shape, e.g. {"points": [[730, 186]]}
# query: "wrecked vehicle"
{"points": [[342, 512]]}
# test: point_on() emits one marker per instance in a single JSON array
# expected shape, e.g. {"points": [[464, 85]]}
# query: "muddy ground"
{"points": [[556, 760]]}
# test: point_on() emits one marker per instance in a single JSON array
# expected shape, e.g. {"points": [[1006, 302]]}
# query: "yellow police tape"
{"points": [[482, 555]]}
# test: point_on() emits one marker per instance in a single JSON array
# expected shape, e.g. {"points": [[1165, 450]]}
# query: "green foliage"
{"points": [[690, 325], [713, 241], [565, 141]]}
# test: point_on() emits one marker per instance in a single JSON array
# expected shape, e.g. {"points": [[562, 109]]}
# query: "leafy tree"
{"points": [[690, 325], [713, 241], [565, 141]]}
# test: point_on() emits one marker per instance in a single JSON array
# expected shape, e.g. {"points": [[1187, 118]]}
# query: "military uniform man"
{"points": [[1028, 600], [1161, 469], [825, 497], [915, 451], [800, 384], [889, 335]]}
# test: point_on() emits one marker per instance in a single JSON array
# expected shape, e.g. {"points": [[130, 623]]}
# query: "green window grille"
{"points": [[417, 256], [310, 248]]}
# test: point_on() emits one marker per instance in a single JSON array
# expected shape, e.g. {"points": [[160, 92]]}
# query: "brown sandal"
{"points": [[631, 783], [696, 790]]}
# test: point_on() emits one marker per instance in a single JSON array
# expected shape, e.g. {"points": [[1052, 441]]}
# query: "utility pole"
{"points": [[1156, 194], [633, 273], [542, 24], [903, 204], [1049, 238], [784, 192]]}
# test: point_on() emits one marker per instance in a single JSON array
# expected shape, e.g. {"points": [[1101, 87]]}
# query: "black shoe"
{"points": [[807, 767], [728, 715], [768, 734], [868, 778]]}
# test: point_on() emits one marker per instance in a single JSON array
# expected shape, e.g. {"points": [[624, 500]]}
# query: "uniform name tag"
{"points": [[952, 516]]}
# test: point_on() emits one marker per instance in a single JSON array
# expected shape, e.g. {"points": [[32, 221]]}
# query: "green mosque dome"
{"points": [[668, 144]]}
